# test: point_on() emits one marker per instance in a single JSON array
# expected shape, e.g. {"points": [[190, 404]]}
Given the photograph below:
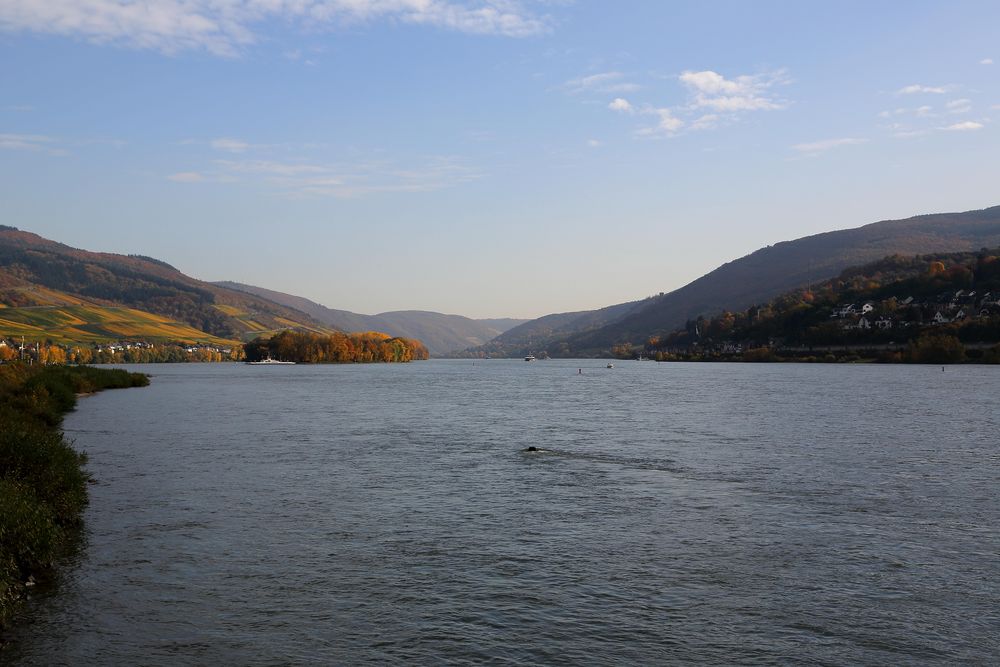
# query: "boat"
{"points": [[611, 365], [268, 361], [530, 357]]}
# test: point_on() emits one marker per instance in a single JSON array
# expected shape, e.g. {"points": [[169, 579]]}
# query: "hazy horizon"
{"points": [[485, 158]]}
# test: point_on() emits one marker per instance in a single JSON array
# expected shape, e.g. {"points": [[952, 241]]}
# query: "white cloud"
{"points": [[705, 122], [229, 145], [24, 141], [924, 111], [959, 106], [815, 147], [967, 126], [744, 93], [37, 143], [621, 105], [271, 168], [713, 101], [667, 125], [225, 27], [986, 61], [605, 82], [918, 89], [186, 177], [594, 143]]}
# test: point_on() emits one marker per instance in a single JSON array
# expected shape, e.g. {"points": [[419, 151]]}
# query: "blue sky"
{"points": [[486, 158]]}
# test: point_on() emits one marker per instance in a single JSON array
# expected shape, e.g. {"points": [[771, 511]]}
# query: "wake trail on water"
{"points": [[663, 465]]}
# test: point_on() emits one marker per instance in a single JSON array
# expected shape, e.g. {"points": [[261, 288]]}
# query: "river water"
{"points": [[678, 513]]}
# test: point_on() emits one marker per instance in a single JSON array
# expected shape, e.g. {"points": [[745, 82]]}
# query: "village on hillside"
{"points": [[897, 310]]}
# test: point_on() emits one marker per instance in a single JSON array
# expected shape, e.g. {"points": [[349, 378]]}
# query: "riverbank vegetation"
{"points": [[118, 352], [942, 308], [336, 348], [43, 487]]}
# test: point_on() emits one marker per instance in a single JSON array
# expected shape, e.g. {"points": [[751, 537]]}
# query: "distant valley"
{"points": [[52, 291], [439, 332], [750, 280]]}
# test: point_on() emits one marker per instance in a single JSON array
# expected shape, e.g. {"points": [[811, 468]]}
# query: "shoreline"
{"points": [[44, 488]]}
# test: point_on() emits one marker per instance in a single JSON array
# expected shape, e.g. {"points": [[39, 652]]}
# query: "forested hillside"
{"points": [[37, 275], [920, 308]]}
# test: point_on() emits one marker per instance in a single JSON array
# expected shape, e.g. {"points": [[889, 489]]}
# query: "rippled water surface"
{"points": [[679, 513]]}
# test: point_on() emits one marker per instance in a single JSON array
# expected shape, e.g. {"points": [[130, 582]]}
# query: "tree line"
{"points": [[335, 348]]}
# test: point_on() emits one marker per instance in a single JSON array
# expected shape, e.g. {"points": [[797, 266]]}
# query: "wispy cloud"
{"points": [[744, 93], [667, 124], [605, 82], [226, 27], [340, 180], [817, 147], [909, 134], [19, 108], [959, 106], [31, 142], [986, 61], [917, 89], [966, 126], [187, 177], [229, 145]]}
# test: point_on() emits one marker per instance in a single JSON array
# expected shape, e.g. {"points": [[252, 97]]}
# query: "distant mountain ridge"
{"points": [[752, 279], [441, 333]]}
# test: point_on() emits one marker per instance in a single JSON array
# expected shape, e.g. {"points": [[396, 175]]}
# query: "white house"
{"points": [[844, 311], [940, 319]]}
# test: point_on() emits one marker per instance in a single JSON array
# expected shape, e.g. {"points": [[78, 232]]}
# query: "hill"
{"points": [[68, 292], [440, 333], [95, 324], [771, 271], [896, 309]]}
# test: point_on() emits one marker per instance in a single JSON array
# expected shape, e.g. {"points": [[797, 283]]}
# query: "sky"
{"points": [[489, 158]]}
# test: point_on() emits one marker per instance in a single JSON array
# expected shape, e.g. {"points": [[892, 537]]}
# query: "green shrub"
{"points": [[29, 537]]}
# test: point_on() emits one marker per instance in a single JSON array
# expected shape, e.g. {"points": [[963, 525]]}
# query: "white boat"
{"points": [[271, 362], [530, 357], [611, 365]]}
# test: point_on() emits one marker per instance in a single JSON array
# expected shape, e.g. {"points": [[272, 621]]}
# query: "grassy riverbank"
{"points": [[43, 487]]}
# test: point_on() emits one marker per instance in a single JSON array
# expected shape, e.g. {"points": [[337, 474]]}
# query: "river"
{"points": [[677, 513]]}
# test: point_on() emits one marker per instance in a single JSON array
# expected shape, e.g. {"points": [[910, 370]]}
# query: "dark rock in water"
{"points": [[531, 449]]}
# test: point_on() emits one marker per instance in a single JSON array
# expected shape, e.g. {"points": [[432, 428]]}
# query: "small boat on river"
{"points": [[530, 357], [268, 361]]}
